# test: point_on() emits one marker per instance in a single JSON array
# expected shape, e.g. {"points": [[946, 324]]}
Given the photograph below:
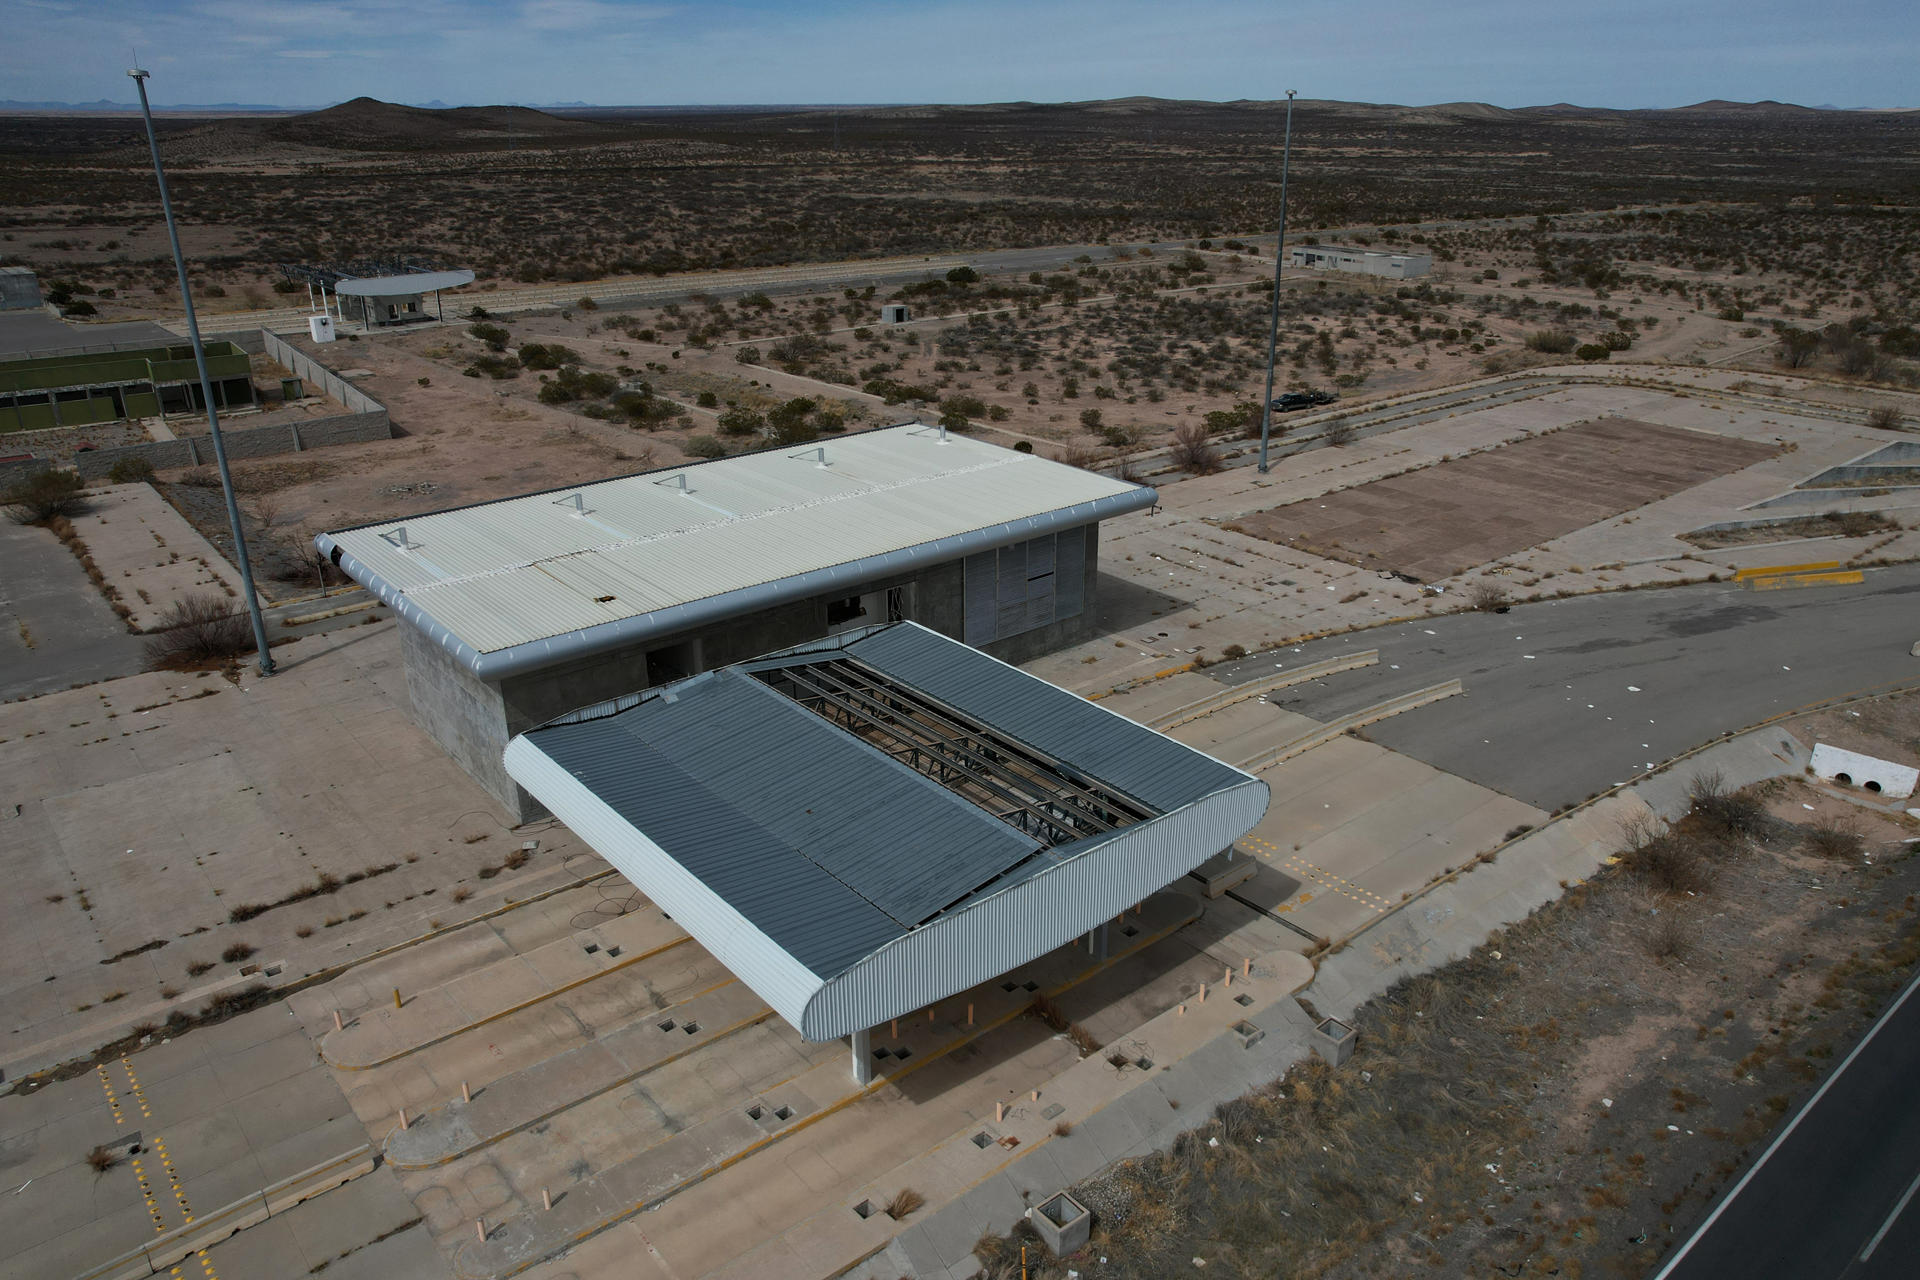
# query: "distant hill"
{"points": [[367, 124]]}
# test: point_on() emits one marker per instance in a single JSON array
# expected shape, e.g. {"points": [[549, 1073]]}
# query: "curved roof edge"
{"points": [[548, 651], [1026, 920], [405, 285], [976, 942]]}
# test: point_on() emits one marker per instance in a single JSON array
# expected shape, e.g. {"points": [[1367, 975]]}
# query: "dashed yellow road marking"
{"points": [[1322, 877], [159, 1146], [112, 1101]]}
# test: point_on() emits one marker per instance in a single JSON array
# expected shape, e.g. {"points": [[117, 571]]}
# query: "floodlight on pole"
{"points": [[1273, 321], [206, 388]]}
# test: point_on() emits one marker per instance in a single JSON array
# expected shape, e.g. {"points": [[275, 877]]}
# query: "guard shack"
{"points": [[380, 301]]}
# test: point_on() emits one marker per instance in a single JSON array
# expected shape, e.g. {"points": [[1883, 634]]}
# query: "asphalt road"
{"points": [[1836, 1194], [1565, 698]]}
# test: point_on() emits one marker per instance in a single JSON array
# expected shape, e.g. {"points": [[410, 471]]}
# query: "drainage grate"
{"points": [[1243, 1000], [1145, 1064], [783, 1113], [1130, 931], [903, 1054], [865, 1209], [612, 952], [981, 1140], [591, 947], [882, 1054], [667, 1025], [690, 1027], [1009, 986], [755, 1112], [1031, 986]]}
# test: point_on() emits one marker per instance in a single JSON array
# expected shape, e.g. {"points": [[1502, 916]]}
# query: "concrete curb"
{"points": [[1357, 720], [1254, 688], [209, 1229]]}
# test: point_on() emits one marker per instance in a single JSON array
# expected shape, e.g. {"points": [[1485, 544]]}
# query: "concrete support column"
{"points": [[862, 1057], [1100, 941]]}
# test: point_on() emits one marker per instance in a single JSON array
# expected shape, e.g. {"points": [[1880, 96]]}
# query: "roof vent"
{"points": [[398, 537], [676, 482], [574, 500], [818, 455]]}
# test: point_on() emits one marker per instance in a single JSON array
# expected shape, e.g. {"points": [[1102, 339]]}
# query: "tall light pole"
{"points": [[206, 389], [1273, 322]]}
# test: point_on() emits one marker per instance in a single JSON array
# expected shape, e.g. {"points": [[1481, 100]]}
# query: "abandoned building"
{"points": [[865, 825], [77, 390], [517, 611], [378, 301], [1366, 262]]}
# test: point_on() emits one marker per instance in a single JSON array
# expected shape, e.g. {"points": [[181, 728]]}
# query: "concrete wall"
{"points": [[19, 290], [465, 715], [474, 719], [254, 442], [317, 374], [1057, 635], [14, 470]]}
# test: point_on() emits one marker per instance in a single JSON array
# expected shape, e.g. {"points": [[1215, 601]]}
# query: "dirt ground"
{"points": [[1445, 519], [1567, 1100]]}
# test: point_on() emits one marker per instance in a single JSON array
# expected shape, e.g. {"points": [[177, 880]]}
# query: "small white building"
{"points": [[1366, 262], [895, 313], [385, 300]]}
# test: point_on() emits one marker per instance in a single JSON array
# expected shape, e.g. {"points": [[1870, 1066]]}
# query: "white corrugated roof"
{"points": [[525, 569], [403, 286]]}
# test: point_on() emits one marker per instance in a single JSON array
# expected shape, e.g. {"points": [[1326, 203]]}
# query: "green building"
{"points": [[72, 391]]}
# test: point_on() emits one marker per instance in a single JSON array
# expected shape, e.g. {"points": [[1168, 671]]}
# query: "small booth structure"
{"points": [[388, 300], [896, 313]]}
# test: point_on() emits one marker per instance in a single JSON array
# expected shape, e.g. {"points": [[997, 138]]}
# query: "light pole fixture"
{"points": [[206, 388], [1273, 321]]}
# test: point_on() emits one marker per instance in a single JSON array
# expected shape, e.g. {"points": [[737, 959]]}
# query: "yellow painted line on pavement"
{"points": [[1769, 570], [1779, 582], [1323, 878]]}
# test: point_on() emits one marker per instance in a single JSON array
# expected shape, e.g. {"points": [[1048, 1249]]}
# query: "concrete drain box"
{"points": [[1064, 1224], [1333, 1040]]}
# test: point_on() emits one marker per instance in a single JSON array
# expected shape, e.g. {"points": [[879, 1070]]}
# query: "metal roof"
{"points": [[524, 582], [842, 884], [403, 286]]}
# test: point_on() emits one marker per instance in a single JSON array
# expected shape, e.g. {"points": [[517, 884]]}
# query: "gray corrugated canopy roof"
{"points": [[401, 286], [827, 845]]}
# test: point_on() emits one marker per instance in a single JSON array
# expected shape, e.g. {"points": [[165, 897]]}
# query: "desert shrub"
{"points": [[741, 421], [1338, 432], [130, 470], [1667, 937], [1591, 351], [1090, 419], [199, 628], [1486, 595], [538, 355], [495, 367], [904, 1202], [707, 400], [493, 335], [1723, 809], [1840, 840], [1670, 863], [574, 383], [46, 496], [1886, 417], [963, 275], [1555, 342], [1193, 450], [792, 423], [965, 406], [237, 952]]}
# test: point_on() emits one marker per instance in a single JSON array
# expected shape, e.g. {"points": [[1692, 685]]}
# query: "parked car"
{"points": [[1293, 400]]}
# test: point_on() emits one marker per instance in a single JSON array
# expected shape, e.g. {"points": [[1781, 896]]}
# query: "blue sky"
{"points": [[1509, 52]]}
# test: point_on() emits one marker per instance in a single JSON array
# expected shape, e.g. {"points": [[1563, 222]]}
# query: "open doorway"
{"points": [[672, 662]]}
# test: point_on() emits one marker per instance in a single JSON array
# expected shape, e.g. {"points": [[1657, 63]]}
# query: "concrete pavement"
{"points": [[1568, 697], [55, 629]]}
